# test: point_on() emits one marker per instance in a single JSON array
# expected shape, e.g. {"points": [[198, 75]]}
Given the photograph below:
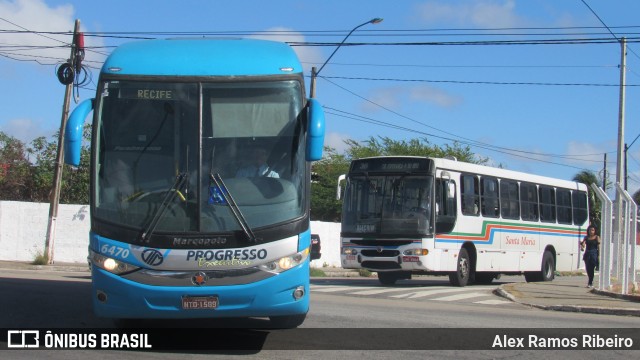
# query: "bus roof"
{"points": [[460, 166], [203, 57]]}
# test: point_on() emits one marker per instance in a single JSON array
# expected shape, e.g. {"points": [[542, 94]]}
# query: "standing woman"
{"points": [[590, 245]]}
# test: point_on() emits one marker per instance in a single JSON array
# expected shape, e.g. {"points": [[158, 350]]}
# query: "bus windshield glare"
{"points": [[157, 155], [391, 204]]}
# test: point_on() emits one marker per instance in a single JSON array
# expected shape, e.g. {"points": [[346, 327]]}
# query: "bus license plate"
{"points": [[199, 302]]}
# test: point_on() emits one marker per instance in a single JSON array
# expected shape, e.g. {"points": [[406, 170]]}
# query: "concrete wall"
{"points": [[23, 232]]}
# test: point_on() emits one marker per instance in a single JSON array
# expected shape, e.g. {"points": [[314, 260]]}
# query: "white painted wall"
{"points": [[23, 232]]}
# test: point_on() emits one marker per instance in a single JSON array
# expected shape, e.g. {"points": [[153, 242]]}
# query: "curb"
{"points": [[570, 308]]}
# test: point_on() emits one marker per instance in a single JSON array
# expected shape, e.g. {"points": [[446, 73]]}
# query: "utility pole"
{"points": [[618, 227], [626, 149], [312, 85], [57, 175], [604, 174]]}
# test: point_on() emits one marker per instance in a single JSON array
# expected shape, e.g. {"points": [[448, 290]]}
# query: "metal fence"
{"points": [[618, 247]]}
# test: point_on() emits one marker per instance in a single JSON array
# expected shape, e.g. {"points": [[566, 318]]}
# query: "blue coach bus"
{"points": [[179, 228]]}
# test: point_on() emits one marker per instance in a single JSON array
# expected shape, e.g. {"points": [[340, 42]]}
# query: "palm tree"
{"points": [[595, 208]]}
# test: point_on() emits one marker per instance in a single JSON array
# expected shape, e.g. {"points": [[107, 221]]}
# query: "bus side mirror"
{"points": [[315, 131], [73, 132], [339, 190]]}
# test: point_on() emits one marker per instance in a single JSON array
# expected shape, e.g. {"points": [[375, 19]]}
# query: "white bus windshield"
{"points": [[388, 205]]}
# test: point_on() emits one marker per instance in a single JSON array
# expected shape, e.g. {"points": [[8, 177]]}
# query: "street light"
{"points": [[315, 73]]}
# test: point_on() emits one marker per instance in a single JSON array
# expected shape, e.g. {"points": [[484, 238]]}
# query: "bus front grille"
{"points": [[383, 253], [380, 265]]}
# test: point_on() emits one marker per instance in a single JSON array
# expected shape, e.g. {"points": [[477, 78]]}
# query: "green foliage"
{"points": [[595, 206], [324, 206], [14, 169], [40, 259], [26, 173], [315, 272]]}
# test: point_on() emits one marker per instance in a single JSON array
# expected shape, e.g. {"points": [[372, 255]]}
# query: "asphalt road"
{"points": [[337, 320]]}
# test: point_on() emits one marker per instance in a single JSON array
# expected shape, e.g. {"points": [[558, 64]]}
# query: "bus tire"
{"points": [[547, 269], [287, 321], [463, 270], [387, 278]]}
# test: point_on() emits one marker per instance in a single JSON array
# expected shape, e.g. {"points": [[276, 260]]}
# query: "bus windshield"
{"points": [[388, 205], [151, 134]]}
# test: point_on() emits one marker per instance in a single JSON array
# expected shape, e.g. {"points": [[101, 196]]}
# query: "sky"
{"points": [[532, 85]]}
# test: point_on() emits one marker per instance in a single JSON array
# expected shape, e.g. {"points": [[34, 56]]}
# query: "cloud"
{"points": [[25, 130], [481, 13], [434, 96], [393, 97], [309, 56], [36, 15], [336, 141]]}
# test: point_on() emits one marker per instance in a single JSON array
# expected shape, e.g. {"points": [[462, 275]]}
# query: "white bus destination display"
{"points": [[390, 164]]}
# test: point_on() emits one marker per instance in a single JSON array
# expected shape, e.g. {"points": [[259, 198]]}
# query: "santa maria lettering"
{"points": [[523, 240]]}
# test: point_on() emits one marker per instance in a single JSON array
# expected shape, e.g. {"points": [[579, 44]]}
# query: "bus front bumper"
{"points": [[117, 297]]}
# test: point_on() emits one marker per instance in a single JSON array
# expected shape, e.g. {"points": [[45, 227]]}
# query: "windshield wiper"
{"points": [[233, 206], [162, 208]]}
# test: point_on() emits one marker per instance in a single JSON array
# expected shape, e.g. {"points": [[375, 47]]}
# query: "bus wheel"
{"points": [[387, 278], [287, 321], [463, 272], [548, 268]]}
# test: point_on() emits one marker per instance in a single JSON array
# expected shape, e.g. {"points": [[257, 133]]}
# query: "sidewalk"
{"points": [[564, 293], [569, 293]]}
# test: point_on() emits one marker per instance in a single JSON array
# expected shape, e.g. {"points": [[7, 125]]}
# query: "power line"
{"points": [[476, 82], [382, 123], [605, 25]]}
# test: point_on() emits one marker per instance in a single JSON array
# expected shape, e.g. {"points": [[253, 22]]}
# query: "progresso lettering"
{"points": [[238, 254]]}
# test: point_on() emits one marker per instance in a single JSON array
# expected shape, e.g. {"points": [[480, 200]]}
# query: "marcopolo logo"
{"points": [[152, 257]]}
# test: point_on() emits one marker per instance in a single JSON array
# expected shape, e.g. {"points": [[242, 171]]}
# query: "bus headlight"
{"points": [[349, 251], [287, 262], [416, 252], [111, 265]]}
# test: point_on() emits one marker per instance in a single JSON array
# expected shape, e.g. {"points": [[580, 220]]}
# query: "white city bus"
{"points": [[405, 215]]}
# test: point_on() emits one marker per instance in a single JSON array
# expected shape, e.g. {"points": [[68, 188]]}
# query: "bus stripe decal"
{"points": [[491, 228]]}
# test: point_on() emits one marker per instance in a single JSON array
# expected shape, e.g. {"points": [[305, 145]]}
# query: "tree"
{"points": [[324, 206], [595, 206], [385, 146], [636, 197], [14, 169], [26, 173], [323, 193]]}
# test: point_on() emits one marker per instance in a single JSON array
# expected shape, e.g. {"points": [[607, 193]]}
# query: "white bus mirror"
{"points": [[339, 189]]}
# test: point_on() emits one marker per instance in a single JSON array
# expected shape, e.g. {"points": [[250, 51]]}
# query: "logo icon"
{"points": [[199, 278], [23, 338], [152, 257]]}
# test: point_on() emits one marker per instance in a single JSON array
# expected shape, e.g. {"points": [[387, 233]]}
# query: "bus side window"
{"points": [[470, 195], [445, 205]]}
